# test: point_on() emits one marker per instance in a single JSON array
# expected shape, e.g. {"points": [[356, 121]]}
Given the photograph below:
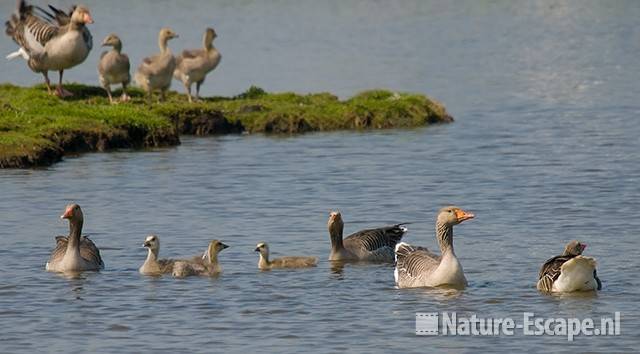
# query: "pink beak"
{"points": [[88, 19]]}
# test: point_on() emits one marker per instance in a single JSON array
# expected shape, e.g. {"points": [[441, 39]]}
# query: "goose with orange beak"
{"points": [[419, 267]]}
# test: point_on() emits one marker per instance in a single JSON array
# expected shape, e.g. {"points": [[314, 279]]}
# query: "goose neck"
{"points": [[444, 235]]}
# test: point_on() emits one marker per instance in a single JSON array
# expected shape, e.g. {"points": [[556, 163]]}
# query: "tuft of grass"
{"points": [[37, 128]]}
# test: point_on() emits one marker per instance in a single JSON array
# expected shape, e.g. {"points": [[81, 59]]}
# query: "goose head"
{"points": [[335, 223], [152, 242], [81, 15], [263, 249], [214, 248], [166, 34], [73, 213], [209, 35], [574, 248], [112, 40], [452, 215]]}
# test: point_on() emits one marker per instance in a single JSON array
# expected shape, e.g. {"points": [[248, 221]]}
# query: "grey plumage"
{"points": [[552, 268], [156, 72], [192, 66], [114, 67]]}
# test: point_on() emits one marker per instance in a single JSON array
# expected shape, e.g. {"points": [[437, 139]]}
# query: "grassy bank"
{"points": [[37, 129]]}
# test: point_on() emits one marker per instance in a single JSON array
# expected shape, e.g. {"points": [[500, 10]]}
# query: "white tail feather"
{"points": [[18, 53]]}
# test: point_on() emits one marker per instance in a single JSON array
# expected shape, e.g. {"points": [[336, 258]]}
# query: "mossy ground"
{"points": [[38, 129]]}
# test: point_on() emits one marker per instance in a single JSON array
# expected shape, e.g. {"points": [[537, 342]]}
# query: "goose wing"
{"points": [[550, 271], [374, 239], [30, 31], [88, 250], [414, 261]]}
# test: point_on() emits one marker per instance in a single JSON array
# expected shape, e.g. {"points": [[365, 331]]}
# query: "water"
{"points": [[544, 150]]}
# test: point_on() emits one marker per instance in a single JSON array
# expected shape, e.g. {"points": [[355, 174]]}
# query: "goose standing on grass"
{"points": [[113, 67], [373, 245], [152, 265], [156, 72], [419, 267], [58, 42], [569, 271], [206, 265], [264, 263], [193, 65], [74, 253]]}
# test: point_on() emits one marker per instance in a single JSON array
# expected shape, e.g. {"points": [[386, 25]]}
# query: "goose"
{"points": [[113, 67], [569, 271], [264, 263], [205, 265], [155, 72], [57, 41], [419, 267], [373, 245], [152, 265], [194, 65], [74, 253]]}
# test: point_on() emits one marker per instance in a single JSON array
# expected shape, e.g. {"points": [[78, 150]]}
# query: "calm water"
{"points": [[545, 149]]}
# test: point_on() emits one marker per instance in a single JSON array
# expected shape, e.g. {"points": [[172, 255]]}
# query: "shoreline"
{"points": [[37, 129]]}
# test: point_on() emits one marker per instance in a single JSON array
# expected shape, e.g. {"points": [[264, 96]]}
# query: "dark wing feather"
{"points": [[373, 239], [414, 260], [88, 249], [41, 29], [550, 271]]}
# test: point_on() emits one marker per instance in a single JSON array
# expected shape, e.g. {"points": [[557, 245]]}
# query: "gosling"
{"points": [[283, 262], [206, 265], [152, 265]]}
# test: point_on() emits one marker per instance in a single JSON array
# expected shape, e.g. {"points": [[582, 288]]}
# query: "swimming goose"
{"points": [[155, 72], [374, 245], [206, 265], [569, 271], [193, 65], [58, 42], [74, 253], [152, 265], [419, 267], [283, 262], [113, 67]]}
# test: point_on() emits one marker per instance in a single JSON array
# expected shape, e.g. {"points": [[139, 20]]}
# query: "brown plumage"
{"points": [[552, 268], [264, 263], [193, 65], [74, 252], [114, 66], [206, 264], [155, 72], [375, 245], [56, 41], [152, 265]]}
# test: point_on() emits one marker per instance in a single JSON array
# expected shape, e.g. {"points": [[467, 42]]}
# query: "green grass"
{"points": [[34, 124]]}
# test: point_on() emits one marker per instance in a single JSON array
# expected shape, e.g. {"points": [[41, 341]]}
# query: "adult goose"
{"points": [[569, 271], [152, 265], [373, 245], [56, 41], [194, 65], [155, 72], [419, 267], [264, 263], [74, 253], [206, 265], [113, 67]]}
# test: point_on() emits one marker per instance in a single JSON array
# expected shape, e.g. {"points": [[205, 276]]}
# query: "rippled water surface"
{"points": [[544, 149]]}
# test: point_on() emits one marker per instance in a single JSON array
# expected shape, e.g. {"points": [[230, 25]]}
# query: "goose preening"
{"points": [[152, 265], [206, 265], [264, 263], [193, 65], [569, 271], [113, 67], [373, 245], [156, 72], [57, 41], [74, 253], [419, 267]]}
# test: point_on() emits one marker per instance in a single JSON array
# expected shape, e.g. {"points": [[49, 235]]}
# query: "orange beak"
{"points": [[87, 18], [67, 214], [463, 215]]}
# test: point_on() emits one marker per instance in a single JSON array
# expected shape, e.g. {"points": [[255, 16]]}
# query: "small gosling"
{"points": [[283, 262], [152, 265], [205, 265]]}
